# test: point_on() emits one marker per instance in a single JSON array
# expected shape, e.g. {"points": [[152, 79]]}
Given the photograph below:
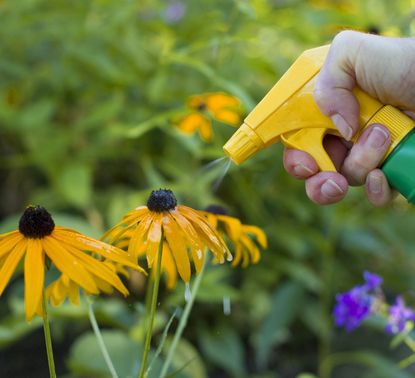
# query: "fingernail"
{"points": [[377, 137], [342, 125], [331, 189], [301, 170], [375, 184]]}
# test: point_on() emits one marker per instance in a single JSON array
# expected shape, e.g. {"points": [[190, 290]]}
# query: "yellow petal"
{"points": [[219, 101], [84, 242], [237, 255], [190, 123], [99, 269], [169, 267], [187, 229], [177, 246], [34, 274], [232, 227], [206, 232], [227, 116], [73, 293], [68, 264], [154, 239], [205, 130], [251, 248], [10, 263], [9, 242], [60, 291], [258, 232], [139, 236]]}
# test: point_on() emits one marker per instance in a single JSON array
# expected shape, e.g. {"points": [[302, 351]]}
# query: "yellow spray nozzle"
{"points": [[288, 113]]}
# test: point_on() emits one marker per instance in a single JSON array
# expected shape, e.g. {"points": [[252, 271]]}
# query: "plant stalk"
{"points": [[100, 340], [152, 314], [183, 320], [48, 339]]}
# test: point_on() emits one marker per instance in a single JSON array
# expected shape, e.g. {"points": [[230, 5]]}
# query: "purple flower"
{"points": [[355, 305], [399, 314], [352, 307], [174, 12], [372, 280]]}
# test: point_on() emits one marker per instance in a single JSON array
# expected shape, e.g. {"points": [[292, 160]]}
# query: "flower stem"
{"points": [[152, 310], [183, 321], [100, 340], [48, 340]]}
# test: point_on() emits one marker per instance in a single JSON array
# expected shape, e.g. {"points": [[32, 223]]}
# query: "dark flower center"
{"points": [[36, 222], [216, 209], [161, 200], [201, 106]]}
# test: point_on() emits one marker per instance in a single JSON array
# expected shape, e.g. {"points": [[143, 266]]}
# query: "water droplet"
{"points": [[199, 254], [216, 185], [187, 292], [227, 306], [229, 257]]}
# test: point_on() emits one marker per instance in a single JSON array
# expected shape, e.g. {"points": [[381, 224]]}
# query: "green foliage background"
{"points": [[88, 92]]}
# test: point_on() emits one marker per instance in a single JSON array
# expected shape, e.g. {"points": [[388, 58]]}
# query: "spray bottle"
{"points": [[288, 113]]}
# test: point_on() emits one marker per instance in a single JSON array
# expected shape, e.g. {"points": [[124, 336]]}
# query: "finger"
{"points": [[299, 164], [326, 187], [335, 82], [366, 154], [378, 190], [337, 148]]}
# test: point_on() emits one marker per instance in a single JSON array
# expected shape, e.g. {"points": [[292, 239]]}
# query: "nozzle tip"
{"points": [[243, 144]]}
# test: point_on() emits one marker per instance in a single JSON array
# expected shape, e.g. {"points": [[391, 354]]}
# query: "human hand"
{"points": [[385, 69]]}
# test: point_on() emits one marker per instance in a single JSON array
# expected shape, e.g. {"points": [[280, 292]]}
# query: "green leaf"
{"points": [[187, 361], [85, 357], [75, 184], [13, 328], [223, 347], [285, 304]]}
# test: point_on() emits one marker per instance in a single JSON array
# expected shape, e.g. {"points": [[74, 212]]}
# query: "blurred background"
{"points": [[90, 92]]}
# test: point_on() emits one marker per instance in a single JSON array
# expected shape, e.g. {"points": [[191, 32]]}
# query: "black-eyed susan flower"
{"points": [[245, 250], [37, 239], [205, 107], [186, 236]]}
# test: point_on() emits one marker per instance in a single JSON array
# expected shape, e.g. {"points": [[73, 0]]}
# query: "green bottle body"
{"points": [[399, 167]]}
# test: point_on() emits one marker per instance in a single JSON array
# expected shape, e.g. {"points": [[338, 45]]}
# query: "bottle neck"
{"points": [[399, 167]]}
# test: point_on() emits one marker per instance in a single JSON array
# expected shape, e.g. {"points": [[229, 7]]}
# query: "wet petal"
{"points": [[169, 267], [34, 274], [177, 246], [188, 230], [110, 252]]}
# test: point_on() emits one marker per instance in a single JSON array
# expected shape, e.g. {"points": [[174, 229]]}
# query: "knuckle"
{"points": [[344, 37]]}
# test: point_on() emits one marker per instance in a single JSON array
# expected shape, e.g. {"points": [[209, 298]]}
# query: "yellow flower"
{"points": [[245, 250], [38, 238], [64, 287], [186, 235], [219, 106]]}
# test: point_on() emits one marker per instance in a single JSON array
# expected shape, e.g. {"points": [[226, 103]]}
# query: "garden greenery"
{"points": [[92, 94]]}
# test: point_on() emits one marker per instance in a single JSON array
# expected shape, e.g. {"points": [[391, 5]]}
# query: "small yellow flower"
{"points": [[186, 232], [245, 249], [219, 106], [38, 238]]}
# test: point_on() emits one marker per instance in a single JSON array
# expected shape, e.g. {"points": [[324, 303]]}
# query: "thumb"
{"points": [[335, 82]]}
